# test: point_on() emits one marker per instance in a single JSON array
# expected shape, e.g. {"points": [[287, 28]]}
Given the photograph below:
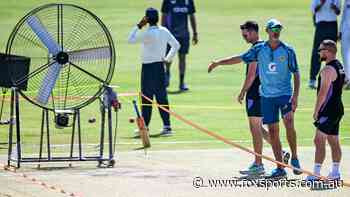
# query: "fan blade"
{"points": [[90, 54], [48, 83], [51, 76], [41, 32]]}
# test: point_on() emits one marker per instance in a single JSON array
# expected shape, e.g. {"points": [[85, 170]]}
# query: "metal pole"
{"points": [[18, 131], [11, 127], [110, 133], [42, 134], [48, 135], [73, 134], [103, 111], [2, 104], [79, 135]]}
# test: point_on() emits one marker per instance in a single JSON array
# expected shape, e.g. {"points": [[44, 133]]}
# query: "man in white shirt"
{"points": [[154, 44], [344, 36], [325, 14]]}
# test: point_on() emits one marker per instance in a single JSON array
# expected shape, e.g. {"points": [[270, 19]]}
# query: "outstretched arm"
{"points": [[225, 61]]}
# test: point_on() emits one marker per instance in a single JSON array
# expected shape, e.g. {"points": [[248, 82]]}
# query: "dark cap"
{"points": [[250, 25], [152, 14]]}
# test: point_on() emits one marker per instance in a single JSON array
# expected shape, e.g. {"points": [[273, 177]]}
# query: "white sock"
{"points": [[335, 168], [317, 168]]}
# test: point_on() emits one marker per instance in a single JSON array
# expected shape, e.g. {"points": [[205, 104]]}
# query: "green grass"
{"points": [[219, 34]]}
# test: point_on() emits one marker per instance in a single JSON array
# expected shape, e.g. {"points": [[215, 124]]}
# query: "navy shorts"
{"points": [[184, 45], [328, 125], [271, 107], [253, 107]]}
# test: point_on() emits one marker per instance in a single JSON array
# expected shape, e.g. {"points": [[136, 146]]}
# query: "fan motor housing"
{"points": [[62, 58], [62, 118]]}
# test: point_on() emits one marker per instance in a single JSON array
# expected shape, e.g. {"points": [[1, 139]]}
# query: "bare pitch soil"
{"points": [[161, 173]]}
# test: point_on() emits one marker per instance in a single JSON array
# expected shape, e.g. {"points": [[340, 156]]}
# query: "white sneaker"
{"points": [[166, 132], [333, 176], [253, 170], [311, 178]]}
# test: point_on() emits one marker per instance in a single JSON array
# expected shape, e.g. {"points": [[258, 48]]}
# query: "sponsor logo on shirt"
{"points": [[180, 10], [272, 68], [173, 1], [282, 58]]}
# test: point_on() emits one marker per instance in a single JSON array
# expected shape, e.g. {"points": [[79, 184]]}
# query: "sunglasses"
{"points": [[321, 49], [276, 29]]}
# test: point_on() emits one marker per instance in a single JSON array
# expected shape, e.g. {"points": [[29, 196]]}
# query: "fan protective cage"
{"points": [[85, 55]]}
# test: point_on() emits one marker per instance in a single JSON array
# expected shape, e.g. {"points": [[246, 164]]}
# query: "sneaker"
{"points": [[285, 156], [253, 169], [312, 178], [312, 84], [166, 132], [277, 173], [295, 163], [332, 176], [183, 87]]}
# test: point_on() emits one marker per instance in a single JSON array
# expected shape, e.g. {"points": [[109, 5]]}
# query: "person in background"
{"points": [[325, 14], [175, 14], [344, 37], [154, 41]]}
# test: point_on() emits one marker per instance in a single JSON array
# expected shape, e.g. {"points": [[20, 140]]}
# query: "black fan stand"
{"points": [[19, 81], [3, 97], [15, 156]]}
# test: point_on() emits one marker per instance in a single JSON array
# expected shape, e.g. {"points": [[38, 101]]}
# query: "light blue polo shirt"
{"points": [[275, 68]]}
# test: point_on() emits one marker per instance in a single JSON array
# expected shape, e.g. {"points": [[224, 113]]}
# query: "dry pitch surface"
{"points": [[161, 173]]}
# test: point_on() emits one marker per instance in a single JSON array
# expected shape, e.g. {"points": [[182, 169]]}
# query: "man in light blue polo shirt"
{"points": [[277, 63]]}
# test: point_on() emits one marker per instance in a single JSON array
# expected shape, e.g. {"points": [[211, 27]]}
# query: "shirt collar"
{"points": [[153, 27]]}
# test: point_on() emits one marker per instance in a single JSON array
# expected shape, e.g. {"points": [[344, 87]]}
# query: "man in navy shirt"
{"points": [[175, 15]]}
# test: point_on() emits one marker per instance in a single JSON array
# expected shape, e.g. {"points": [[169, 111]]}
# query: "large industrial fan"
{"points": [[70, 60]]}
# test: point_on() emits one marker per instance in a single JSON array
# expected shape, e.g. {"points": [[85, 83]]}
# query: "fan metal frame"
{"points": [[106, 81]]}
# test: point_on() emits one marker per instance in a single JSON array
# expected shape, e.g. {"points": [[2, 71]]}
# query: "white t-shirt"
{"points": [[154, 43], [326, 13]]}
